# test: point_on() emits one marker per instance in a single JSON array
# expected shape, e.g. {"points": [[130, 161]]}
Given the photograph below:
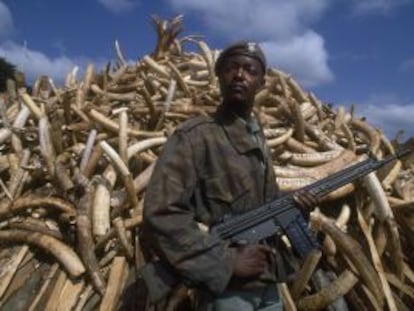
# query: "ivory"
{"points": [[329, 294], [392, 176], [280, 140], [374, 137], [116, 282], [305, 273], [88, 149], [23, 203], [314, 158], [161, 70], [143, 145], [101, 202], [123, 169], [366, 229], [46, 146], [63, 253], [119, 53], [308, 110], [34, 109], [297, 146], [123, 238], [352, 250], [114, 96], [112, 126], [180, 80]]}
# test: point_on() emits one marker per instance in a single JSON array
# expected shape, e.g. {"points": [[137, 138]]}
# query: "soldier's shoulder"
{"points": [[194, 123]]}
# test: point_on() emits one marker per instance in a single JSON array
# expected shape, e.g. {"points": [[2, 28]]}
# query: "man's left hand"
{"points": [[305, 199]]}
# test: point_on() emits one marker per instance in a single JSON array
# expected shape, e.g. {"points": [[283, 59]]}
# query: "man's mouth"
{"points": [[238, 88]]}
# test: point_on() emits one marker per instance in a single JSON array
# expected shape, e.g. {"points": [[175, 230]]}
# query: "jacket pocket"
{"points": [[227, 194]]}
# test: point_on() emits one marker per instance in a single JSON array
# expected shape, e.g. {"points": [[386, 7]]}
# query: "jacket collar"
{"points": [[237, 131]]}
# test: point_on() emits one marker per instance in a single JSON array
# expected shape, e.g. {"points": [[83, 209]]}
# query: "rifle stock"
{"points": [[276, 217]]}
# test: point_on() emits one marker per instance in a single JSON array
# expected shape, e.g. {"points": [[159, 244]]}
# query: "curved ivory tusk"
{"points": [[303, 276], [119, 53], [349, 137], [114, 96], [144, 145], [123, 237], [327, 295], [114, 127], [46, 146], [377, 261], [180, 80], [64, 254], [340, 117], [129, 224], [88, 149], [290, 184], [344, 159], [123, 169], [322, 139], [392, 175], [123, 133], [343, 217], [377, 194], [353, 250], [34, 109], [297, 146], [314, 158], [280, 140], [18, 123], [308, 110], [374, 137], [154, 66], [299, 121], [101, 204], [271, 133], [86, 248], [296, 90], [32, 201]]}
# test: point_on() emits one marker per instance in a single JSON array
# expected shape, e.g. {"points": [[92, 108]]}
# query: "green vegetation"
{"points": [[7, 71]]}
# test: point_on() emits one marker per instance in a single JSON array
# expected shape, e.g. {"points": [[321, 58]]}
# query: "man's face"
{"points": [[240, 78]]}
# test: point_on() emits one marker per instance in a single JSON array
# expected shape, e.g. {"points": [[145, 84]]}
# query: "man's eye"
{"points": [[252, 70]]}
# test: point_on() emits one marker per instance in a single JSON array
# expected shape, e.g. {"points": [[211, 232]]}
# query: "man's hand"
{"points": [[250, 260], [305, 200]]}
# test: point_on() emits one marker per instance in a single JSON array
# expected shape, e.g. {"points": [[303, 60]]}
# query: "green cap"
{"points": [[247, 48]]}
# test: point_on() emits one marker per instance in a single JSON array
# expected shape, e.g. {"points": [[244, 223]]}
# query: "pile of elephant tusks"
{"points": [[75, 161]]}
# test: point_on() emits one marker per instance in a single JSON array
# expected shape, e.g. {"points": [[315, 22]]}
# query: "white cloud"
{"points": [[261, 19], [35, 63], [119, 6], [6, 20], [377, 6], [283, 26], [304, 57], [389, 113]]}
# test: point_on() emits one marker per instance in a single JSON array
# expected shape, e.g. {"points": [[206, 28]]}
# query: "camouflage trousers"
{"points": [[263, 299]]}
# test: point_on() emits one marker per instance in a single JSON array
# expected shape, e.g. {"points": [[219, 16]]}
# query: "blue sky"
{"points": [[345, 51]]}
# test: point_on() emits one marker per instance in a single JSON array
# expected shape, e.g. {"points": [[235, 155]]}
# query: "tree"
{"points": [[7, 71]]}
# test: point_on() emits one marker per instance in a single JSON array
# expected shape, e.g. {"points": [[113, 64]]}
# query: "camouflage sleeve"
{"points": [[170, 222]]}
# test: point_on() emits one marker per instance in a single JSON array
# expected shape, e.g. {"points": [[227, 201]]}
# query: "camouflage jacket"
{"points": [[210, 167]]}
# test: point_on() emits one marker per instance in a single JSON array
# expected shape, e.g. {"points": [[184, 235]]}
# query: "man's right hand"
{"points": [[250, 260]]}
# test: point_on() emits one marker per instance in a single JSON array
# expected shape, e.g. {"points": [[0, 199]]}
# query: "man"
{"points": [[211, 168]]}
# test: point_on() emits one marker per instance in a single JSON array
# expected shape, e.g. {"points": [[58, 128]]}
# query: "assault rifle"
{"points": [[278, 217]]}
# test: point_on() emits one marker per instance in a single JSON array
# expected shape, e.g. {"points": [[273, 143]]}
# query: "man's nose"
{"points": [[239, 72]]}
